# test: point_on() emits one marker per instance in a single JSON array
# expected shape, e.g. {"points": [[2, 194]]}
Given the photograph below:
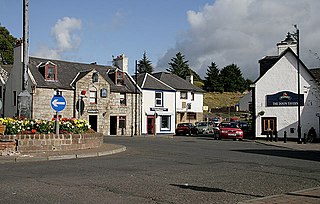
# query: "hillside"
{"points": [[215, 100]]}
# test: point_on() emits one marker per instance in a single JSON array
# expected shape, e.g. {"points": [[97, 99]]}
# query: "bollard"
{"points": [[276, 136], [304, 138], [271, 136], [285, 137]]}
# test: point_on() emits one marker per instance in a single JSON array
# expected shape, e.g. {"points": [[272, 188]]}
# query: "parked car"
{"points": [[186, 129], [230, 130], [204, 127]]}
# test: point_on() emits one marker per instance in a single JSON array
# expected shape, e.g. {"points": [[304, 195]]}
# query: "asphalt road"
{"points": [[164, 170]]}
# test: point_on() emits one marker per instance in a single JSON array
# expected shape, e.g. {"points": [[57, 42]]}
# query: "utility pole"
{"points": [[24, 97]]}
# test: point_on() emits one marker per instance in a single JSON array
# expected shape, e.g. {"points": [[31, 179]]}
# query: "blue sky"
{"points": [[205, 31]]}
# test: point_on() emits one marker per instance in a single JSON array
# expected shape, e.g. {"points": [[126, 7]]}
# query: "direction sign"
{"points": [[58, 103]]}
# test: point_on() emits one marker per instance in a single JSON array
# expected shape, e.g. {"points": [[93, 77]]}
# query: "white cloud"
{"points": [[65, 36], [243, 31]]}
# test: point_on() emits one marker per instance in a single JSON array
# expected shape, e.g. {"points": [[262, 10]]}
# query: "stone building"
{"points": [[106, 96]]}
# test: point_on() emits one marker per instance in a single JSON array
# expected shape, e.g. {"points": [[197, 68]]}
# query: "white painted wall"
{"points": [[148, 101], [283, 77], [196, 104]]}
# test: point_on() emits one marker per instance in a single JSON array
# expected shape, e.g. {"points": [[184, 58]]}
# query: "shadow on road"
{"points": [[211, 190], [294, 154]]}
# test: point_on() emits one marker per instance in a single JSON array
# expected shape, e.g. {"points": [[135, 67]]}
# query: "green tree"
{"points": [[212, 80], [179, 66], [7, 43], [232, 80], [144, 65]]}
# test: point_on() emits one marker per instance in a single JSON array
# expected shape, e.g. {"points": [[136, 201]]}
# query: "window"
{"points": [[183, 95], [93, 97], [123, 101], [50, 72], [119, 78], [191, 116], [95, 77], [14, 98], [165, 122], [269, 124], [122, 121], [158, 98], [192, 96]]}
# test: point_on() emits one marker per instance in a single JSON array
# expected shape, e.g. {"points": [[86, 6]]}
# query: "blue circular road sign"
{"points": [[58, 103]]}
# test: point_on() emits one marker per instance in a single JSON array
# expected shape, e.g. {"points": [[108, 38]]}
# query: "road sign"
{"points": [[58, 103]]}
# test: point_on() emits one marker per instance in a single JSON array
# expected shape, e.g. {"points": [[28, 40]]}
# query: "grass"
{"points": [[215, 100]]}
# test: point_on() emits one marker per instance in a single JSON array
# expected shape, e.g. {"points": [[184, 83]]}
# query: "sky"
{"points": [[204, 31]]}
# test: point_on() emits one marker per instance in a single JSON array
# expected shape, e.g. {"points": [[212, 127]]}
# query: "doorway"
{"points": [[150, 125], [113, 125], [269, 124], [93, 121]]}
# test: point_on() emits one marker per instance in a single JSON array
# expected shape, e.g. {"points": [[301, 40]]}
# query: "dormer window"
{"points": [[51, 72], [48, 71], [119, 78]]}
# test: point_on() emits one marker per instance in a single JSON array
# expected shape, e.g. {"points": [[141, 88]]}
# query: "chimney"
{"points": [[190, 79], [121, 62], [288, 42]]}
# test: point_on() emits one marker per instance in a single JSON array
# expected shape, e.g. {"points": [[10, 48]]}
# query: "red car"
{"points": [[230, 131], [186, 129]]}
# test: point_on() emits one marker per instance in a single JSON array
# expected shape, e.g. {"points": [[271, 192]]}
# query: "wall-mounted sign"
{"points": [[158, 109], [93, 111], [103, 93], [284, 98]]}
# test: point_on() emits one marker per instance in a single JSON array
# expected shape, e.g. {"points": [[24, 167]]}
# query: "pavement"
{"points": [[105, 149], [310, 196]]}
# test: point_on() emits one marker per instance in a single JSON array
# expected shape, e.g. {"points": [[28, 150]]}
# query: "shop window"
{"points": [[165, 122], [183, 95], [123, 100], [93, 96], [191, 116], [158, 98]]}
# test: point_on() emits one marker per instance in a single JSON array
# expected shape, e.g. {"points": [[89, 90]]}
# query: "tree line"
{"points": [[228, 79]]}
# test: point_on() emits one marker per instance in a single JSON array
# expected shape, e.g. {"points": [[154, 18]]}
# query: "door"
{"points": [[93, 120], [150, 125], [113, 125], [269, 124]]}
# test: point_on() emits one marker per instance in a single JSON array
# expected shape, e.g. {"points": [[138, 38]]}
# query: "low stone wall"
{"points": [[52, 142]]}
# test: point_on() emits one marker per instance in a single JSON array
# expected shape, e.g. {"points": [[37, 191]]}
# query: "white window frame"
{"points": [[158, 101]]}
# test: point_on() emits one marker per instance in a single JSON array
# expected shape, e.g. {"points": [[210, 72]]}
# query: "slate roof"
{"points": [[68, 71], [147, 81], [316, 73], [275, 59], [176, 82]]}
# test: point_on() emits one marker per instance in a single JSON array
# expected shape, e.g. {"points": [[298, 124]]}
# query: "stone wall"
{"points": [[52, 142]]}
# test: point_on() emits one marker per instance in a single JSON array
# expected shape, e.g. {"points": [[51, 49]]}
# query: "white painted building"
{"points": [[275, 94], [158, 106], [189, 98]]}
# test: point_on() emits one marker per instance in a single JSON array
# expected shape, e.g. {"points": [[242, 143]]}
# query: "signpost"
{"points": [[58, 103]]}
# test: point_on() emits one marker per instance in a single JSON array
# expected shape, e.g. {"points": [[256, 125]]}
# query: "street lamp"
{"points": [[295, 35]]}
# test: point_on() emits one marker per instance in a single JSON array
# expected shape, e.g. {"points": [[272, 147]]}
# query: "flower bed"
{"points": [[39, 135], [35, 126]]}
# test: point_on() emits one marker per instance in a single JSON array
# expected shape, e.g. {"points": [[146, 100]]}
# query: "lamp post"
{"points": [[295, 35]]}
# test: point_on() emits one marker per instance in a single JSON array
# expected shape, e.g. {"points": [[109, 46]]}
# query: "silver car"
{"points": [[204, 128]]}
